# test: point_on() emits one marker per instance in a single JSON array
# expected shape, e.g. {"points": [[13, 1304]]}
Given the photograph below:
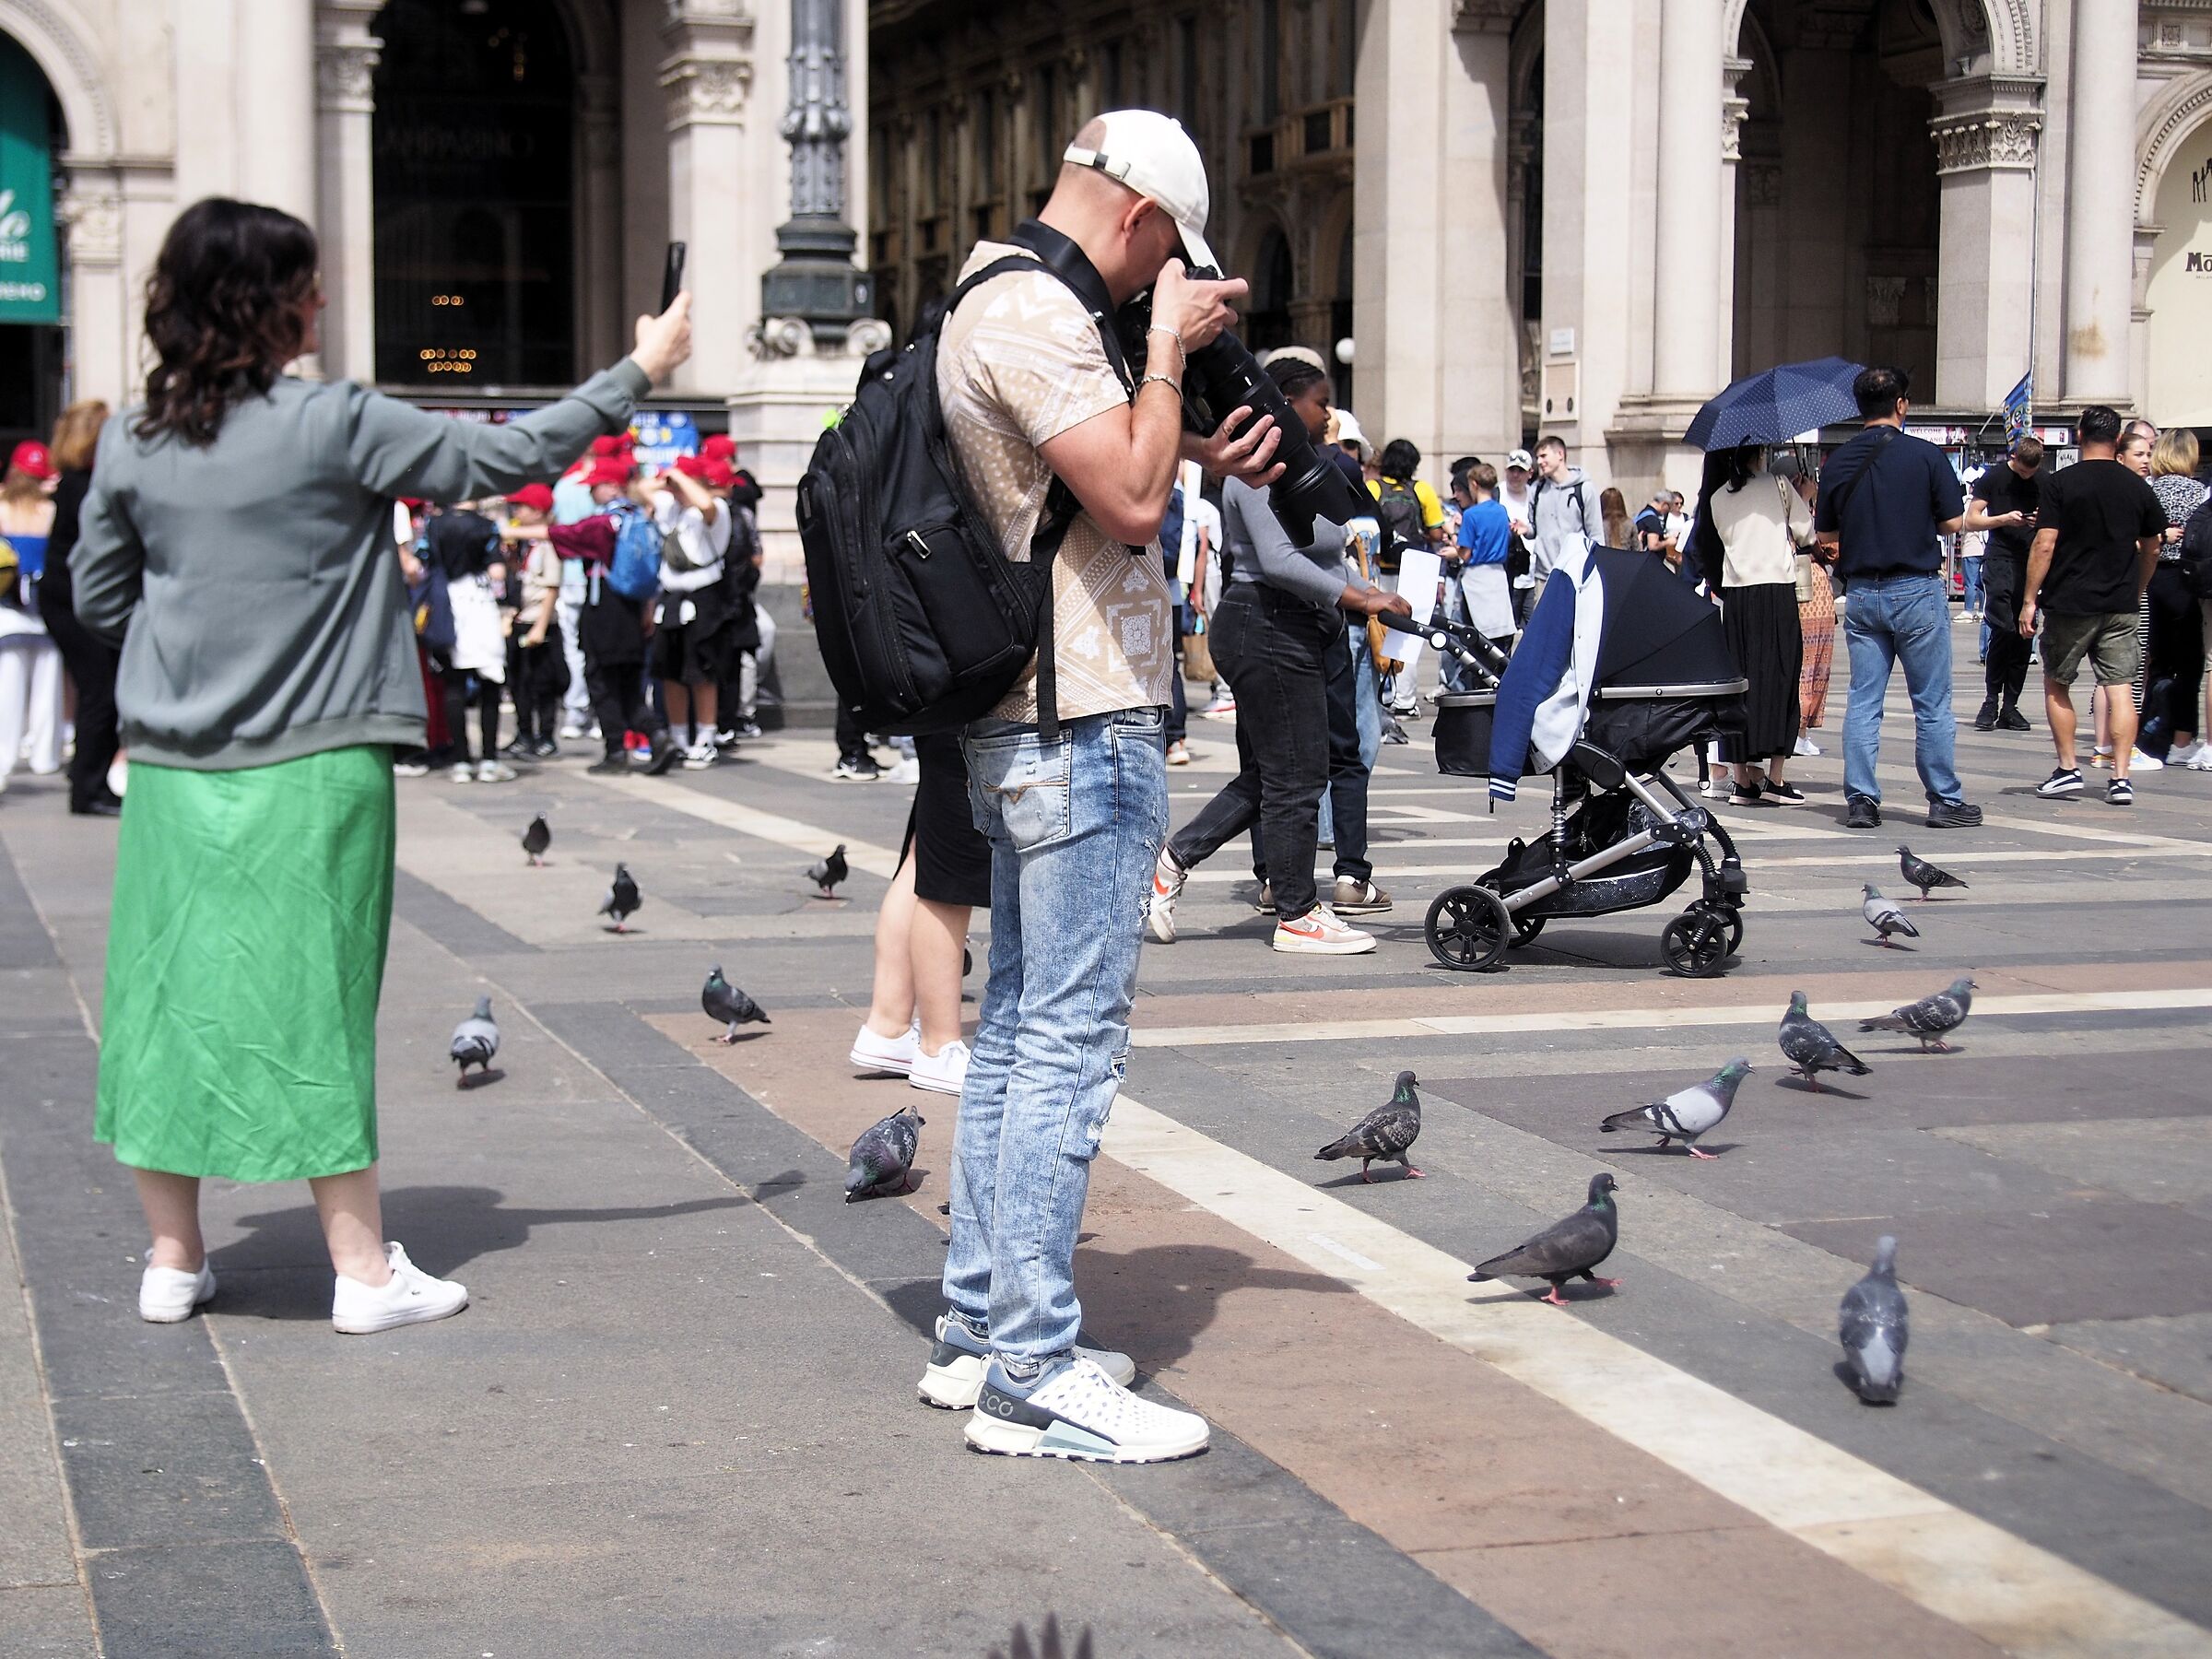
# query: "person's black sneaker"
{"points": [[102, 805], [2120, 793], [2062, 781], [667, 752], [2011, 719], [614, 765], [1864, 813], [1986, 719], [1788, 794], [545, 748], [520, 749], [858, 768], [1743, 794], [1953, 814]]}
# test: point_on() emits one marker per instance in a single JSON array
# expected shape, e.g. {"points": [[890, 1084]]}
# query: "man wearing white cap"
{"points": [[1518, 494], [1033, 391]]}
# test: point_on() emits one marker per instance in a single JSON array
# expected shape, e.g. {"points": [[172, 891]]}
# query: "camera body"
{"points": [[1222, 377]]}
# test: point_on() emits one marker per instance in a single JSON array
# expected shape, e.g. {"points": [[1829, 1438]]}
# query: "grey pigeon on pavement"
{"points": [[725, 1002], [1872, 1323], [476, 1040], [1885, 918], [1922, 874], [1565, 1248], [1387, 1133], [883, 1155], [830, 872], [537, 839], [1810, 1047], [1931, 1019], [1685, 1115], [622, 900]]}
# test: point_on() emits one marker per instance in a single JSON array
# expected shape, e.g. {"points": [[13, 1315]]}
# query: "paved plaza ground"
{"points": [[679, 1416]]}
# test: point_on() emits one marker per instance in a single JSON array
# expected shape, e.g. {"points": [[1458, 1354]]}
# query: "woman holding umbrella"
{"points": [[1750, 524]]}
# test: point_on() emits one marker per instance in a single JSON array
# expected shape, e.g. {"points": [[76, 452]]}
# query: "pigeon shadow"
{"points": [[1878, 945], [622, 933], [915, 1180], [1353, 1180], [740, 1040], [1676, 1151], [452, 1226], [790, 1180], [1916, 1051], [1844, 1374], [489, 1075], [1825, 1091], [1156, 1301], [1574, 1290]]}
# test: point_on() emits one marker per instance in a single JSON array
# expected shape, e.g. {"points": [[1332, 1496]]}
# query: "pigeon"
{"points": [[1810, 1047], [1565, 1248], [1885, 918], [882, 1156], [1930, 1019], [725, 1002], [537, 839], [622, 900], [1685, 1115], [1387, 1132], [830, 872], [476, 1040], [1922, 874], [1872, 1324]]}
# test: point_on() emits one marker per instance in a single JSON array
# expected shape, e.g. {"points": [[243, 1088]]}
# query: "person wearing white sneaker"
{"points": [[261, 781], [954, 1375], [1321, 932], [944, 876], [1075, 1410]]}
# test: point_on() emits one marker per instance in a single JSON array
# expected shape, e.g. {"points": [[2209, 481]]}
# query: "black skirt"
{"points": [[1760, 624], [952, 858]]}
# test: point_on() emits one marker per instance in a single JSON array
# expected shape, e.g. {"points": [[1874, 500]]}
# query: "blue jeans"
{"points": [[1074, 826], [1900, 619], [1971, 568]]}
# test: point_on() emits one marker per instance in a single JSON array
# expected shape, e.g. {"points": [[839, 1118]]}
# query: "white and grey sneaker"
{"points": [[873, 1053], [409, 1297], [954, 1375], [945, 1072], [1077, 1411], [169, 1295], [1168, 877]]}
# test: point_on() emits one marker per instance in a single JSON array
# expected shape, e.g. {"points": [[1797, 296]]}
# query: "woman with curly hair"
{"points": [[237, 524]]}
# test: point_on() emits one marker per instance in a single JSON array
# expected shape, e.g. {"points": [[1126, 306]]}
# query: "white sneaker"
{"points": [[462, 772], [1168, 877], [1806, 746], [954, 1375], [2139, 762], [495, 772], [944, 1072], [409, 1297], [2185, 754], [1713, 789], [871, 1052], [701, 755], [2202, 760], [168, 1295], [1321, 932], [1080, 1412], [572, 730]]}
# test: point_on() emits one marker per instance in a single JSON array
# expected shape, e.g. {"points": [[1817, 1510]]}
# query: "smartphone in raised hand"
{"points": [[672, 275]]}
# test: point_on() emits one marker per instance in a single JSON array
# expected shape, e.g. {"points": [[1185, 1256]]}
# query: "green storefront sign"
{"points": [[30, 288]]}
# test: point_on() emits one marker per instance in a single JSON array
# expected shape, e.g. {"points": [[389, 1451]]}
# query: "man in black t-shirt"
{"points": [[2096, 544], [2005, 503]]}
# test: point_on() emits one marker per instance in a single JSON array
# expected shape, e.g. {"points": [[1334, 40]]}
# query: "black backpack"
{"points": [[924, 622], [2196, 552], [1398, 511]]}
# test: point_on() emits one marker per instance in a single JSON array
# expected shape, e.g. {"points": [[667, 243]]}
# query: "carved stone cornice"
{"points": [[1485, 17], [346, 53], [93, 217], [1734, 106], [1987, 122], [707, 77]]}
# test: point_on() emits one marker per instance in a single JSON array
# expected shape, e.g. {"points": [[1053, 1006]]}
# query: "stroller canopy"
{"points": [[1658, 631]]}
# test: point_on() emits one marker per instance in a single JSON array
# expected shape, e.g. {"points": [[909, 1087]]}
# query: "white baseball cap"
{"points": [[1522, 459], [1152, 154], [1348, 430]]}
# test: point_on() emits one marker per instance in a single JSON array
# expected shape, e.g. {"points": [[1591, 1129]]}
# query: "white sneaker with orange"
{"points": [[1320, 932], [1168, 877]]}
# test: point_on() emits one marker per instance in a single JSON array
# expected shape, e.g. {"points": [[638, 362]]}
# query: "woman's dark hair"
{"points": [[1742, 464], [1293, 376], [222, 312], [1401, 460]]}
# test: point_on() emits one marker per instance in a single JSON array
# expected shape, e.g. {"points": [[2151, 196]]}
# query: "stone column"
{"points": [[104, 330], [345, 56], [707, 79], [1734, 106], [274, 108], [2100, 225], [1987, 130], [602, 325], [1685, 325]]}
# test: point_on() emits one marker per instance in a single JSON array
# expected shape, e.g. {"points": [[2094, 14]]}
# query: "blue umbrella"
{"points": [[1777, 406]]}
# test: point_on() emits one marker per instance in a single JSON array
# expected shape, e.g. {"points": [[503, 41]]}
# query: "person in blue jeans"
{"points": [[1067, 777], [1886, 500]]}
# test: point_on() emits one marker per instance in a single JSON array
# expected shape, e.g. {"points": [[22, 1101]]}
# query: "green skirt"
{"points": [[245, 957]]}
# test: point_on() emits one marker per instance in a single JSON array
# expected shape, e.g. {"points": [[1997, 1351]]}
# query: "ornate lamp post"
{"points": [[814, 278]]}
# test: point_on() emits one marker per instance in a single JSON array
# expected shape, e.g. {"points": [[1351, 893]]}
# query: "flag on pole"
{"points": [[2019, 409]]}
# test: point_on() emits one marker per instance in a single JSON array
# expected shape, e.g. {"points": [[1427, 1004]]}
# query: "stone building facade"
{"points": [[1496, 216]]}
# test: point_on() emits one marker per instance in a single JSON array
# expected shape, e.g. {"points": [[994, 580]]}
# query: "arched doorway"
{"points": [[476, 110], [2179, 293], [1267, 325], [34, 342]]}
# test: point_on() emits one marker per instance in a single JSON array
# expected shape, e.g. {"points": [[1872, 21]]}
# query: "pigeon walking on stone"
{"points": [[622, 900], [883, 1157], [1922, 874], [725, 1002], [537, 839], [1872, 1323], [1931, 1020], [476, 1040], [828, 872], [1810, 1047], [1687, 1114], [1565, 1249], [1885, 918], [1388, 1132]]}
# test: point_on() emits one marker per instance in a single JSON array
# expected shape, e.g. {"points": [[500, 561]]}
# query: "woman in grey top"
{"points": [[238, 527], [1277, 634]]}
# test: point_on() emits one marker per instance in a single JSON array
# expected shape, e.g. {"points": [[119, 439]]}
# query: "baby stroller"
{"points": [[1623, 836]]}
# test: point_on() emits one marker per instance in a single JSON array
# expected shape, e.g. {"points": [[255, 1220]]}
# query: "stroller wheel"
{"points": [[1526, 928], [1732, 920], [1695, 944], [1468, 928]]}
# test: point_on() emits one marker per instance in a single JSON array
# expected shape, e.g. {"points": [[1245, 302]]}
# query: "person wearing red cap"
{"points": [[537, 667], [691, 634], [31, 666]]}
